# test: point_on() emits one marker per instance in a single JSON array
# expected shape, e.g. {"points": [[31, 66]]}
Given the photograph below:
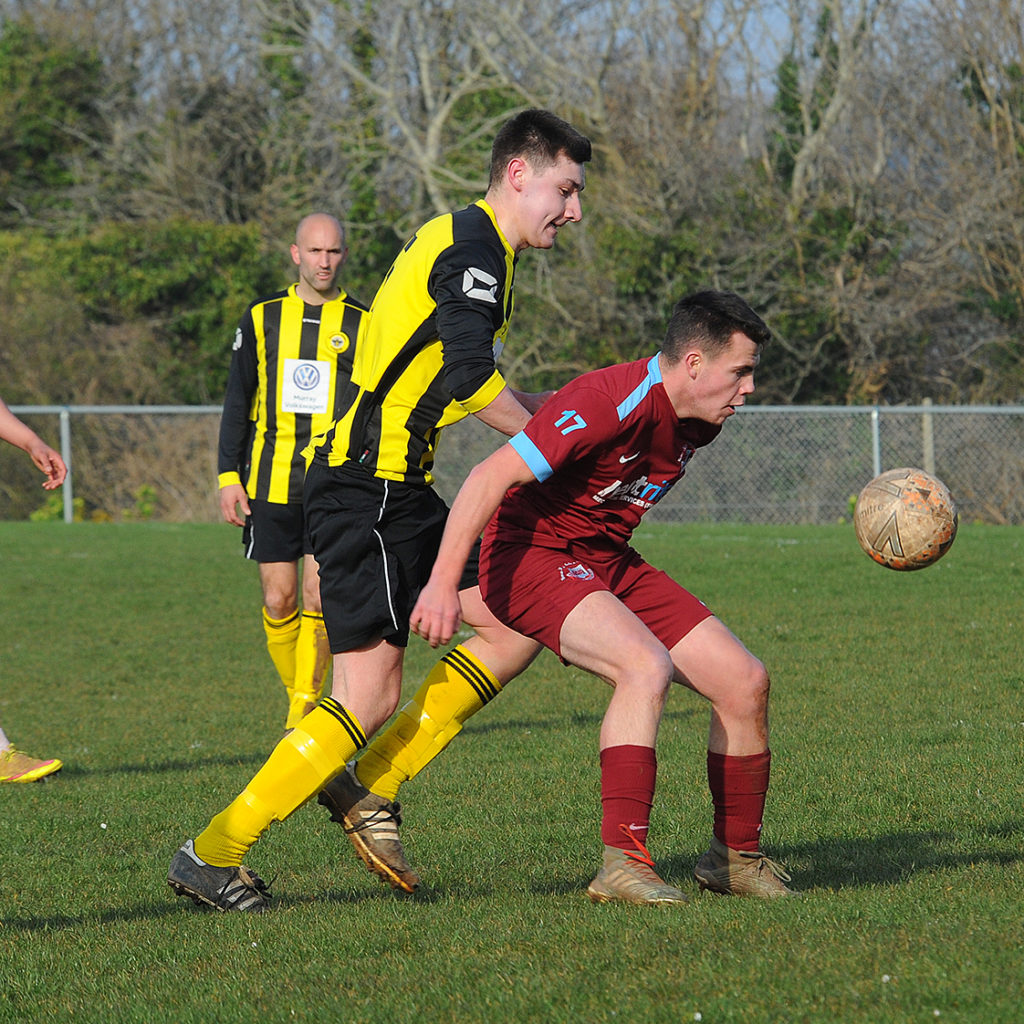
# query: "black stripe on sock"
{"points": [[274, 624], [470, 671], [333, 707]]}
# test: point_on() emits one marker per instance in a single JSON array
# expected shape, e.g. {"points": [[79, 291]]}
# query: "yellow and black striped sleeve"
{"points": [[241, 407], [436, 328]]}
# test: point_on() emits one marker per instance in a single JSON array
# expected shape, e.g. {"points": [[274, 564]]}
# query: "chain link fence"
{"points": [[771, 464]]}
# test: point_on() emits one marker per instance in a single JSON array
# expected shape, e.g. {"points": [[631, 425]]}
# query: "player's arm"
{"points": [[505, 412], [437, 613], [234, 504], [478, 386], [466, 282], [531, 401], [24, 437], [235, 424]]}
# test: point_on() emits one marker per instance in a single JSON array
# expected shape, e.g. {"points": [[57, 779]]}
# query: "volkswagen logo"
{"points": [[306, 377]]}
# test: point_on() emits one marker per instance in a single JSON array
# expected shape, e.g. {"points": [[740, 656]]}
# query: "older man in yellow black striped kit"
{"points": [[289, 380]]}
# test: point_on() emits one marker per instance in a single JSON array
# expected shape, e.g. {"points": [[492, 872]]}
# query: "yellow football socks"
{"points": [[282, 635], [457, 687], [312, 658], [302, 763]]}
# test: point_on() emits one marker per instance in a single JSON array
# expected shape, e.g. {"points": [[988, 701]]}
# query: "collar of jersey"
{"points": [[486, 207]]}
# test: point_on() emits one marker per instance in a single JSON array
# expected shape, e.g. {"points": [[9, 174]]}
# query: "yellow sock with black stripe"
{"points": [[458, 686], [302, 763], [312, 658], [282, 635]]}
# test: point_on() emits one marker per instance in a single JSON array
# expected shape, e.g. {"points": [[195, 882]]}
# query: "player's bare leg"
{"points": [[604, 637], [368, 682], [714, 663], [370, 822]]}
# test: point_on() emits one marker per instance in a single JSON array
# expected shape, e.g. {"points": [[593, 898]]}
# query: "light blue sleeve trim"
{"points": [[640, 391], [531, 455]]}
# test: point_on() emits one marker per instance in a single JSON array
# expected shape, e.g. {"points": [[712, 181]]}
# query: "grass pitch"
{"points": [[135, 653]]}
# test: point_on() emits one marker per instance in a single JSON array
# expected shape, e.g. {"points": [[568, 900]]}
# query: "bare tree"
{"points": [[853, 167]]}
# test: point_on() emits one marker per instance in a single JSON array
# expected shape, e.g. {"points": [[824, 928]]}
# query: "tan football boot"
{"points": [[627, 877], [741, 873]]}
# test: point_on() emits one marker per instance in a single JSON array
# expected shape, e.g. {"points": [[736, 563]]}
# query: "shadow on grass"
{"points": [[559, 722], [71, 771], [828, 864], [100, 918], [888, 859], [181, 906]]}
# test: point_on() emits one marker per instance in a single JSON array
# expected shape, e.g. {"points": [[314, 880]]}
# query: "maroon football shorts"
{"points": [[533, 589]]}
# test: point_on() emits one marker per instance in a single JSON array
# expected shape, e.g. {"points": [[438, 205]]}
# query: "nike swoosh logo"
{"points": [[628, 458]]}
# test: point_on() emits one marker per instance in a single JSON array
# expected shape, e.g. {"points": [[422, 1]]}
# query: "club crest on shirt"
{"points": [[575, 571], [339, 342]]}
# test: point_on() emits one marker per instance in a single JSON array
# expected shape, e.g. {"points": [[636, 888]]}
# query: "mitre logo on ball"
{"points": [[905, 519]]}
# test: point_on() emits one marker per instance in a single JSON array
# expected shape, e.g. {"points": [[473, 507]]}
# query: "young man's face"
{"points": [[547, 199], [723, 382]]}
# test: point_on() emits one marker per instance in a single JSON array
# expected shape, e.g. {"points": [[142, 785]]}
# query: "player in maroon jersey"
{"points": [[557, 506]]}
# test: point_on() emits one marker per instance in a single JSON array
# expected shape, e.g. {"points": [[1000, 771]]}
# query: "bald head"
{"points": [[316, 222], [319, 251]]}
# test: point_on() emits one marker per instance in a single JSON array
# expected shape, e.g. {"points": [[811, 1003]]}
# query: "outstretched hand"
{"points": [[50, 462]]}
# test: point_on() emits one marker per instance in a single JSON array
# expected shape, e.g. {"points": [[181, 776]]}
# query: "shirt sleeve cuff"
{"points": [[227, 479], [531, 455], [486, 394]]}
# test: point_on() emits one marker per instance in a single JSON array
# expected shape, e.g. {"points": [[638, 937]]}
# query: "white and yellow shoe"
{"points": [[16, 766]]}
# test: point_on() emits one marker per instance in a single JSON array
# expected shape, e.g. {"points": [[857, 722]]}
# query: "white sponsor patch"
{"points": [[238, 340], [305, 385], [642, 492], [478, 284]]}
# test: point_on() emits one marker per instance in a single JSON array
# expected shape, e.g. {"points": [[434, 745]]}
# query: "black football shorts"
{"points": [[274, 532], [375, 542]]}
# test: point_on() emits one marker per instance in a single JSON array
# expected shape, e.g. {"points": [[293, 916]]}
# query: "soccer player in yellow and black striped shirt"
{"points": [[289, 380], [428, 358]]}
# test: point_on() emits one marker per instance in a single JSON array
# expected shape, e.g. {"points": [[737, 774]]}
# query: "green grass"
{"points": [[135, 652]]}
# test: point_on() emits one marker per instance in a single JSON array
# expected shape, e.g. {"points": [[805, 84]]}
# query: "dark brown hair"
{"points": [[539, 137]]}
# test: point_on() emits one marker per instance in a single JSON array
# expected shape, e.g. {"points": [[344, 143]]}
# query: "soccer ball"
{"points": [[905, 519]]}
